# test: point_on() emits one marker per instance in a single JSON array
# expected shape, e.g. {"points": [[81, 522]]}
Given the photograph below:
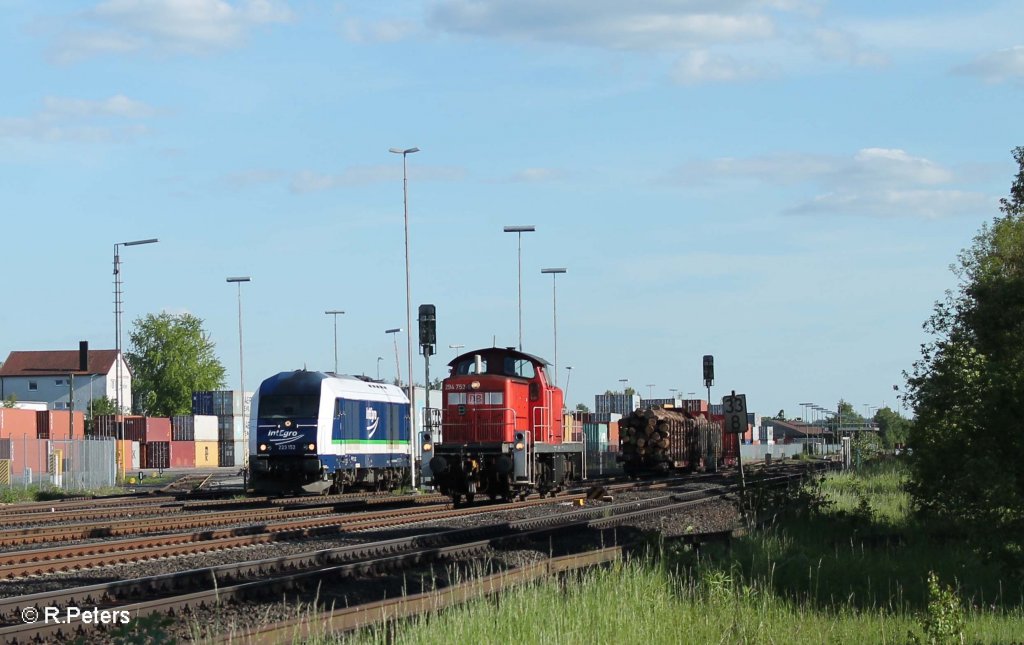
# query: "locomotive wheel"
{"points": [[469, 499]]}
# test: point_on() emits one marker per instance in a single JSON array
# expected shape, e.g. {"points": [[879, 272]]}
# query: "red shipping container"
{"points": [[17, 423], [158, 429], [28, 453], [55, 424], [183, 454]]}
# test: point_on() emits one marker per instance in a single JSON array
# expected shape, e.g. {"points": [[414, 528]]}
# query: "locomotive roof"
{"points": [[500, 351]]}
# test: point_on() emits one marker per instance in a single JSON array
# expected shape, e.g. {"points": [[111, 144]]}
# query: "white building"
{"points": [[47, 377]]}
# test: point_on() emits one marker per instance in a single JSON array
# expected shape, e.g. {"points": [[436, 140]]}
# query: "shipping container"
{"points": [[158, 429], [695, 406], [229, 428], [205, 454], [156, 454], [17, 423], [206, 428], [613, 434], [202, 403], [132, 428], [240, 451], [226, 453], [183, 454], [28, 458], [595, 436], [55, 424], [228, 403], [183, 428]]}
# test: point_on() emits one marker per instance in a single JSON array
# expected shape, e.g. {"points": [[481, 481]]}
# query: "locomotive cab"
{"points": [[501, 429]]}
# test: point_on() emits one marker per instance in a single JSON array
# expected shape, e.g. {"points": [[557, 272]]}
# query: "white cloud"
{"points": [[701, 67], [997, 67], [124, 26], [79, 120], [539, 175], [882, 182], [841, 45], [928, 204], [118, 105], [382, 31], [637, 25], [309, 181]]}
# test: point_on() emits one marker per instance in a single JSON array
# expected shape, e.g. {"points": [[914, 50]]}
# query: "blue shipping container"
{"points": [[202, 403]]}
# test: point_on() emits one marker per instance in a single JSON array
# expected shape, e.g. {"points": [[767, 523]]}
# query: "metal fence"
{"points": [[68, 464]]}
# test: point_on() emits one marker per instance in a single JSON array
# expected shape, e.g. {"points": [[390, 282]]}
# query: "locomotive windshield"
{"points": [[286, 406], [508, 366]]}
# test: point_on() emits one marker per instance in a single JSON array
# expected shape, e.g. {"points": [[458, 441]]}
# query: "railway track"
{"points": [[196, 590]]}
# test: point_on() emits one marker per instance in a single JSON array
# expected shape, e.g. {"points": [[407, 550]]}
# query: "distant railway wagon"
{"points": [[317, 432], [502, 429], [659, 441]]}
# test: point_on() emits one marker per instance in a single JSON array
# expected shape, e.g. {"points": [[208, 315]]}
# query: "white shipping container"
{"points": [[241, 449], [136, 455], [770, 434], [206, 427]]}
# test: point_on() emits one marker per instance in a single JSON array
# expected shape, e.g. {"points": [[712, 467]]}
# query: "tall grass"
{"points": [[858, 569]]}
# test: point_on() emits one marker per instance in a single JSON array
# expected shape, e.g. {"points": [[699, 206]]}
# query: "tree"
{"points": [[171, 357], [967, 388], [582, 407], [781, 416], [892, 427], [11, 400]]}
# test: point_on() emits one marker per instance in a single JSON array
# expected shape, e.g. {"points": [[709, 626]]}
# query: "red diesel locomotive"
{"points": [[501, 429]]}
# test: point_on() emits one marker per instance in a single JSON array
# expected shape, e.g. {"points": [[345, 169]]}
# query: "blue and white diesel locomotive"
{"points": [[314, 432]]}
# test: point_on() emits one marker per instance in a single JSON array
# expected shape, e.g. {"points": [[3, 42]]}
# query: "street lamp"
{"points": [[519, 230], [241, 370], [335, 312], [118, 310], [554, 312], [650, 390], [405, 152], [803, 413], [625, 382], [398, 370], [568, 376], [379, 359], [456, 348]]}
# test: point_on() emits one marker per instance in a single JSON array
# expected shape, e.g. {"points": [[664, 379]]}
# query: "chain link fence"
{"points": [[67, 464]]}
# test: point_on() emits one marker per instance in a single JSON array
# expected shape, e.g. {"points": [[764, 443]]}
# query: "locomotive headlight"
{"points": [[263, 447], [312, 447], [288, 423]]}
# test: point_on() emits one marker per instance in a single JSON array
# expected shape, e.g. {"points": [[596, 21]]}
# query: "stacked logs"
{"points": [[659, 439]]}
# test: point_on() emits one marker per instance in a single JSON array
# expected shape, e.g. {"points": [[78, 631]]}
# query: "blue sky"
{"points": [[780, 183]]}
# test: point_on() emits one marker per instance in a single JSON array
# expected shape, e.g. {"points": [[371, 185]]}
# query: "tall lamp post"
{"points": [[379, 359], [398, 369], [238, 280], [118, 310], [568, 376], [456, 348], [519, 230], [335, 312], [650, 390], [554, 310], [405, 152]]}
